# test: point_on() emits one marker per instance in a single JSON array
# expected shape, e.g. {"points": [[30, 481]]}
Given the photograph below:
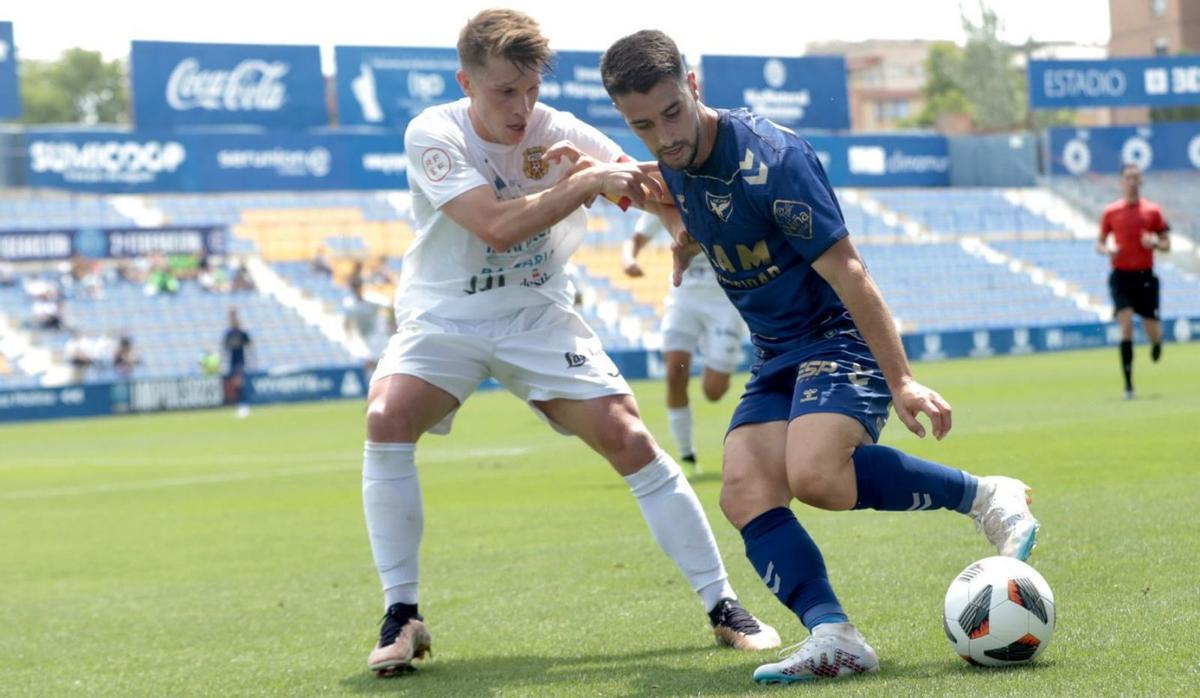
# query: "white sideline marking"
{"points": [[221, 478]]}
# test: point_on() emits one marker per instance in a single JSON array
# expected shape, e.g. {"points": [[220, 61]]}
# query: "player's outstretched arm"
{"points": [[502, 224], [842, 267]]}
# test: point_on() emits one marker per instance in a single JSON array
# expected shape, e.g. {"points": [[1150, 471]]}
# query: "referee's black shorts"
{"points": [[1135, 289]]}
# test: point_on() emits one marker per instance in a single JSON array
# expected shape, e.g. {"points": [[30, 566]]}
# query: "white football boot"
{"points": [[833, 651], [1001, 511]]}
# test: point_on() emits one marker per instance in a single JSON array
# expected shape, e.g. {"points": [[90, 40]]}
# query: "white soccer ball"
{"points": [[999, 612]]}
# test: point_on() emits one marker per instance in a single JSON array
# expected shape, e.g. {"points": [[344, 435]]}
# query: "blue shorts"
{"points": [[829, 374]]}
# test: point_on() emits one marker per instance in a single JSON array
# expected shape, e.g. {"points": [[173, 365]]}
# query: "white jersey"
{"points": [[699, 278], [448, 270]]}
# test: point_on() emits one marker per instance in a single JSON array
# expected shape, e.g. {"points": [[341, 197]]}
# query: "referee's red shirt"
{"points": [[1126, 222]]}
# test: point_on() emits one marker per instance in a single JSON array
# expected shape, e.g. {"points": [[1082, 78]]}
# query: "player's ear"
{"points": [[464, 81], [693, 85]]}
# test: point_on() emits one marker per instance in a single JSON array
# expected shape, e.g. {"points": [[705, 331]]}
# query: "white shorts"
{"points": [[707, 322], [538, 353]]}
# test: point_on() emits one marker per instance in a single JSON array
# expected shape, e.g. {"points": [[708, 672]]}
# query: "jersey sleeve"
{"points": [[800, 201], [437, 162], [1106, 227], [1160, 223]]}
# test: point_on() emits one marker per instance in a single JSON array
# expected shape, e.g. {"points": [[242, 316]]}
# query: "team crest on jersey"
{"points": [[535, 167], [721, 206], [794, 218], [436, 163]]}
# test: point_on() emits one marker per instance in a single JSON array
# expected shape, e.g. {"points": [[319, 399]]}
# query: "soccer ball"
{"points": [[999, 612]]}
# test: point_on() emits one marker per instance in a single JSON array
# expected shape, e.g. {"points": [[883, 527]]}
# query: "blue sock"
{"points": [[789, 562], [891, 480]]}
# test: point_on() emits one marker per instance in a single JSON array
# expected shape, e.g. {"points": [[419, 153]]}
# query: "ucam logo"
{"points": [[314, 162], [982, 341], [1021, 343], [933, 348], [252, 85], [106, 161]]}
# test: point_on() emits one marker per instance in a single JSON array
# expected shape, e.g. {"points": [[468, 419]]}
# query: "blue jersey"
{"points": [[763, 210]]}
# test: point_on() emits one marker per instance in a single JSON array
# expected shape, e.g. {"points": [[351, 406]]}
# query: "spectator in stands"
{"points": [[210, 362], [1137, 228], [320, 262], [48, 311], [8, 274], [213, 277], [125, 359], [235, 342], [101, 348], [81, 278], [133, 271], [78, 356], [184, 266], [242, 281], [161, 278]]}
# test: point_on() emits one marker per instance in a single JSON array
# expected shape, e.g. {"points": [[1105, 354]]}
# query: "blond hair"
{"points": [[508, 34]]}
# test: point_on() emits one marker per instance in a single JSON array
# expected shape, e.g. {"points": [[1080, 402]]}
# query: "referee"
{"points": [[1138, 229]]}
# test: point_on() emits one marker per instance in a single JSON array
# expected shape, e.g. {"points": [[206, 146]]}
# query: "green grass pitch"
{"points": [[195, 554]]}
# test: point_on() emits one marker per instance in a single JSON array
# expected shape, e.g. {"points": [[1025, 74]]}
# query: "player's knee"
{"points": [[389, 422], [677, 376], [818, 483], [625, 442], [733, 504], [742, 500], [715, 390]]}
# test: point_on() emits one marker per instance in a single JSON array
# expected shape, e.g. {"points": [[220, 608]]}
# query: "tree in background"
{"points": [[982, 82], [79, 87], [943, 96]]}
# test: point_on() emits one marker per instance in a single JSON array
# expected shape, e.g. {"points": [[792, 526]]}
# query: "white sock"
{"points": [[680, 528], [680, 421], [395, 517]]}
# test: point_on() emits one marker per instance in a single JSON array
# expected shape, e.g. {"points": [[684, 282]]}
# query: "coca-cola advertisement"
{"points": [[183, 84]]}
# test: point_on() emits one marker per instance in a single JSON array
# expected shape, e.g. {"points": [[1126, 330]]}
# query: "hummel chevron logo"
{"points": [[748, 164], [767, 578], [917, 505]]}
